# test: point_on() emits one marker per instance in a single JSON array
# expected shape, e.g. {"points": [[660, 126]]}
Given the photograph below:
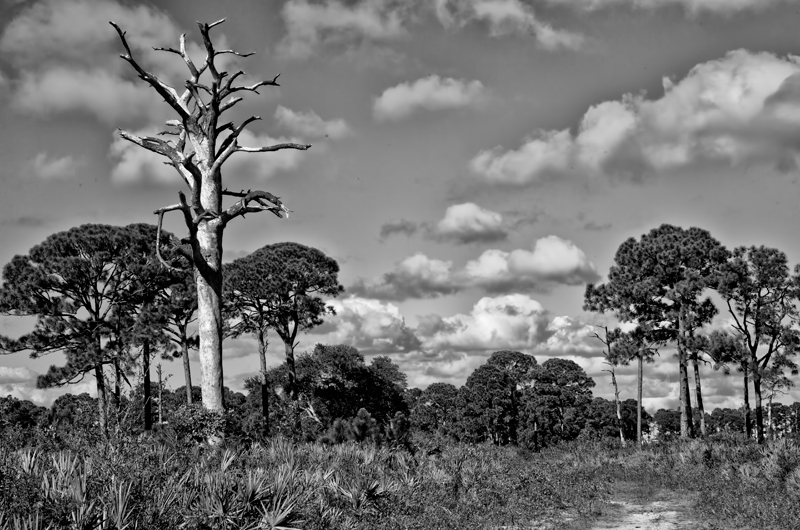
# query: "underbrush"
{"points": [[156, 483], [737, 483]]}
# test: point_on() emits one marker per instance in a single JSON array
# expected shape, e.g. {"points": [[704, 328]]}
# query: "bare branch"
{"points": [[244, 206], [217, 23], [221, 52], [167, 92], [252, 88], [166, 148], [276, 147], [235, 132], [160, 212], [228, 104]]}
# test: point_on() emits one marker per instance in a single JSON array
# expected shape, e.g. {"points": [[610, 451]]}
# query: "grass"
{"points": [[150, 482]]}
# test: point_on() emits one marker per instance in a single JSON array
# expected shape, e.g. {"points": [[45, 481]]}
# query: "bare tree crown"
{"points": [[195, 153]]}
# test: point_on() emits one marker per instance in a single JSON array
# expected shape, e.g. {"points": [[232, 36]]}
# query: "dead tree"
{"points": [[201, 146]]}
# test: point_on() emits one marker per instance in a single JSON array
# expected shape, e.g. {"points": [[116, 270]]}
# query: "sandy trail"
{"points": [[657, 510]]}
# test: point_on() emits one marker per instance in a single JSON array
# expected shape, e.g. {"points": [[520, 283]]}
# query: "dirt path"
{"points": [[631, 508]]}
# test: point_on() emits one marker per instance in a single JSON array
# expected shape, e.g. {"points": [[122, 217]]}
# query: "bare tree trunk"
{"points": [[699, 395], [187, 371], [770, 433], [263, 343], [117, 389], [209, 309], [687, 425], [290, 365], [148, 412], [759, 410], [748, 423], [639, 403], [619, 407], [102, 399], [160, 394]]}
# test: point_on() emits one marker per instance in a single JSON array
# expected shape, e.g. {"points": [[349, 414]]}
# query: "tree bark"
{"points": [[187, 371], [619, 408], [639, 402], [263, 343], [102, 399], [687, 425], [759, 411], [748, 423], [770, 432], [289, 347], [699, 396], [208, 278], [148, 410], [160, 394]]}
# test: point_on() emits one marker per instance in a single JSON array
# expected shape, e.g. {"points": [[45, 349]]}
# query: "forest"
{"points": [[335, 439]]}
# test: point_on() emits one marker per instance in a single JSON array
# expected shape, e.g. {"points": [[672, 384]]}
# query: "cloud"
{"points": [[135, 164], [369, 325], [312, 25], [513, 321], [505, 17], [596, 227], [428, 93], [25, 221], [309, 125], [44, 167], [570, 336], [65, 57], [552, 261], [398, 226], [469, 223], [743, 108], [416, 276], [692, 7], [20, 382]]}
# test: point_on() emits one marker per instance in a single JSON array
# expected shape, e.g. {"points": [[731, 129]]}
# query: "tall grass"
{"points": [[149, 484]]}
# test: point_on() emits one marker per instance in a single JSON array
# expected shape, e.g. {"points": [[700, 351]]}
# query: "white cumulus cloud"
{"points": [[552, 261], [310, 125], [53, 168], [692, 7], [427, 93], [468, 223], [513, 321], [742, 108], [505, 17]]}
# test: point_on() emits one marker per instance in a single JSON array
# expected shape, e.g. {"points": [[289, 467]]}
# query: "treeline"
{"points": [[114, 299]]}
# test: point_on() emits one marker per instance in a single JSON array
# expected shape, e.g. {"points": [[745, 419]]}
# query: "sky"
{"points": [[474, 164]]}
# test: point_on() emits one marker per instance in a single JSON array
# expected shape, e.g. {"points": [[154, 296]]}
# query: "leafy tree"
{"points": [[201, 147], [279, 287], [660, 279], [641, 344], [20, 413], [555, 406], [73, 412], [669, 421], [334, 382], [726, 420], [520, 367], [601, 417], [436, 408], [725, 349], [487, 406], [80, 284], [760, 293]]}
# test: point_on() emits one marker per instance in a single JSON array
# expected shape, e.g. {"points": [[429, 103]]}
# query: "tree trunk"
{"points": [[687, 425], [187, 371], [160, 394], [699, 396], [117, 390], [639, 403], [619, 408], [102, 399], [759, 410], [748, 423], [292, 390], [208, 278], [263, 343], [770, 433], [148, 412]]}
